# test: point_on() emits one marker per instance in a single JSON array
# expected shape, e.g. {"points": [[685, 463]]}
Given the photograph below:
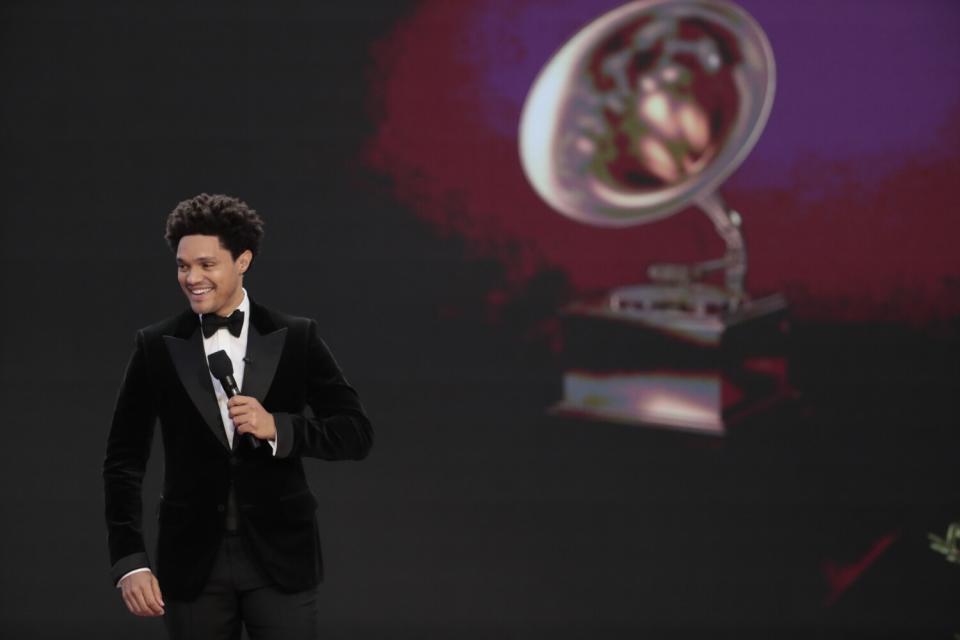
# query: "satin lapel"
{"points": [[263, 355], [190, 362]]}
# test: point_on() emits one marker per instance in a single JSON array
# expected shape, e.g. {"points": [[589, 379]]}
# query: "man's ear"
{"points": [[244, 260]]}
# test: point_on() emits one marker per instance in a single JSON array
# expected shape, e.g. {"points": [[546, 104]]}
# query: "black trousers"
{"points": [[238, 593]]}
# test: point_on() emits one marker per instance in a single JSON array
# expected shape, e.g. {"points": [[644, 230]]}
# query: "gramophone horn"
{"points": [[647, 109]]}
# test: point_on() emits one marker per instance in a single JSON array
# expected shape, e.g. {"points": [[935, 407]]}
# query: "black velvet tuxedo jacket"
{"points": [[317, 413]]}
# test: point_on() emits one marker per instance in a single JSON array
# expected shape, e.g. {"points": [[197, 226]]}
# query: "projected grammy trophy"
{"points": [[646, 111]]}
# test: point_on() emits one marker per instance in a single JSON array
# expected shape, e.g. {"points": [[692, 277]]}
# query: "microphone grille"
{"points": [[220, 364]]}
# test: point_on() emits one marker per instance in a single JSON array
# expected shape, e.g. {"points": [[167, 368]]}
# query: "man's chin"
{"points": [[200, 306]]}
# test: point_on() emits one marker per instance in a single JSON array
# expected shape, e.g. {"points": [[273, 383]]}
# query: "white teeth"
{"points": [[199, 292]]}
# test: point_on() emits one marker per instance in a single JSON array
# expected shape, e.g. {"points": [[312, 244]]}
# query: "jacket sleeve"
{"points": [[128, 448], [339, 428]]}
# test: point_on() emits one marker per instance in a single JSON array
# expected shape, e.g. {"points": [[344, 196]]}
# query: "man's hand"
{"points": [[141, 594], [249, 416]]}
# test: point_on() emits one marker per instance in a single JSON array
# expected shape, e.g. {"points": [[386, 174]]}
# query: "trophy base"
{"points": [[698, 368]]}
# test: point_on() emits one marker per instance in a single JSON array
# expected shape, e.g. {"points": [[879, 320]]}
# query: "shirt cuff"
{"points": [[130, 573]]}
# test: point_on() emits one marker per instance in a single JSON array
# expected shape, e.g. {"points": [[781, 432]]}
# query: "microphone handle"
{"points": [[230, 388]]}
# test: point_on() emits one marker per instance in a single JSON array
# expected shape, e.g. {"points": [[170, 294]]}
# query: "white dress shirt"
{"points": [[236, 348]]}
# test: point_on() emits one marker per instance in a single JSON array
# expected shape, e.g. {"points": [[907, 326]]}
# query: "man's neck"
{"points": [[225, 311]]}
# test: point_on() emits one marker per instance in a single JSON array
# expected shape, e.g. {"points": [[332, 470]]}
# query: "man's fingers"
{"points": [[244, 418], [242, 410], [247, 402], [150, 597], [148, 605], [153, 607], [139, 606], [156, 590], [127, 600], [236, 401], [131, 599]]}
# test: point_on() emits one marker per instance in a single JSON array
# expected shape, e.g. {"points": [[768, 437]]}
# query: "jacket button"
{"points": [[234, 461], [221, 508]]}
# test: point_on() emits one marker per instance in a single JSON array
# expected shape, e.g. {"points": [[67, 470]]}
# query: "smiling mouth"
{"points": [[199, 293]]}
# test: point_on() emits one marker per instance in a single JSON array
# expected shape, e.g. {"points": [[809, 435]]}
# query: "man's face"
{"points": [[209, 276]]}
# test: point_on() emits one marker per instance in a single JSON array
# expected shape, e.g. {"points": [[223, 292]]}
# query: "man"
{"points": [[237, 538]]}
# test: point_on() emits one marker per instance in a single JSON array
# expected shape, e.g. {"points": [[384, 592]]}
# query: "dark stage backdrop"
{"points": [[378, 140]]}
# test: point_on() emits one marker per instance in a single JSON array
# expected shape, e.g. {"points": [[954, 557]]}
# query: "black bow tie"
{"points": [[211, 322]]}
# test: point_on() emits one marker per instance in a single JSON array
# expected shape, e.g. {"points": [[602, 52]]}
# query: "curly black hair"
{"points": [[230, 219]]}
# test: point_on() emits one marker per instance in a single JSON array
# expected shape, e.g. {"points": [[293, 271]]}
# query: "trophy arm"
{"points": [[734, 262], [727, 223]]}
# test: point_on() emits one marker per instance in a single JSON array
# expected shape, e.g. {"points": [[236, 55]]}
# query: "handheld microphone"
{"points": [[222, 369]]}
